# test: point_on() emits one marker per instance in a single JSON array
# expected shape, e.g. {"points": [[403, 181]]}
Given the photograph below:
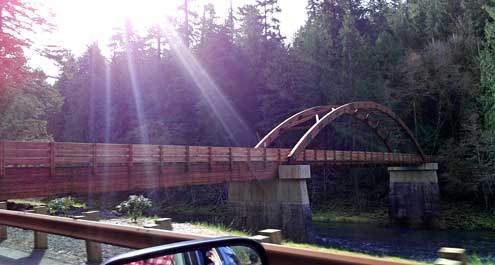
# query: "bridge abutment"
{"points": [[281, 203], [414, 195]]}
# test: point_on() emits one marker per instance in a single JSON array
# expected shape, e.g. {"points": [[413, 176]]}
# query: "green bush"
{"points": [[62, 205], [135, 207]]}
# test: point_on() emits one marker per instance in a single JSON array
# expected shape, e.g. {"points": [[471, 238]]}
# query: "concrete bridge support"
{"points": [[281, 203], [414, 195]]}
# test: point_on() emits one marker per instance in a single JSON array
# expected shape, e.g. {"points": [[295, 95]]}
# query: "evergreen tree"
{"points": [[26, 100], [487, 62], [84, 86]]}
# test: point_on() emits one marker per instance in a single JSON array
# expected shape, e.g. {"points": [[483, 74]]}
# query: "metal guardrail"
{"points": [[136, 237]]}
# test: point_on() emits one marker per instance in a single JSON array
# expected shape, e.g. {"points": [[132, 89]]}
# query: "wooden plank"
{"points": [[2, 159], [249, 158], [188, 158], [93, 159], [220, 154], [231, 160], [26, 145], [256, 154], [264, 158], [67, 160], [210, 160], [130, 159], [161, 160], [26, 152]]}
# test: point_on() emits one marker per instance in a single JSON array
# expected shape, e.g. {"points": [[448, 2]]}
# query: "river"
{"points": [[401, 242]]}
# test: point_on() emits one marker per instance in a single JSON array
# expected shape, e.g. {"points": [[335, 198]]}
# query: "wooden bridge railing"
{"points": [[53, 155], [29, 169]]}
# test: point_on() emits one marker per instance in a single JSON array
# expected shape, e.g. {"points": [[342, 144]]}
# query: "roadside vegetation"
{"points": [[135, 206], [65, 205]]}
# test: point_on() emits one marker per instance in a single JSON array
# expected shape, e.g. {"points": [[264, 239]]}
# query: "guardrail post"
{"points": [[3, 229], [261, 238], [275, 235], [40, 238], [164, 223], [93, 249], [151, 226], [451, 256]]}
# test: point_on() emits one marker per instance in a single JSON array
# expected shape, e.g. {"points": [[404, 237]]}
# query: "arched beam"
{"points": [[303, 116], [351, 109], [291, 122], [364, 118]]}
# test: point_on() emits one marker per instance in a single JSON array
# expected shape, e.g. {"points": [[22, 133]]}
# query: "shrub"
{"points": [[62, 205], [135, 207]]}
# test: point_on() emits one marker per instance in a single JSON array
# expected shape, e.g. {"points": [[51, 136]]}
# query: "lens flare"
{"points": [[232, 123]]}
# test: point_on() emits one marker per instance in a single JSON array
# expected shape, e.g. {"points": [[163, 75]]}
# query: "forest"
{"points": [[201, 79]]}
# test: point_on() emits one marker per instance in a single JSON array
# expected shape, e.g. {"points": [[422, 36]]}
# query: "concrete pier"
{"points": [[414, 195], [281, 203]]}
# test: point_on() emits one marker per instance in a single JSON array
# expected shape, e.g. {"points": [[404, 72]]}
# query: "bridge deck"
{"points": [[34, 169]]}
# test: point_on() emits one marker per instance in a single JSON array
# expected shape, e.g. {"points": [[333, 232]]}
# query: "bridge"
{"points": [[271, 181]]}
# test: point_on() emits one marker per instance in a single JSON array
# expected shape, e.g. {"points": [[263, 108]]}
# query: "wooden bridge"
{"points": [[36, 169], [267, 186]]}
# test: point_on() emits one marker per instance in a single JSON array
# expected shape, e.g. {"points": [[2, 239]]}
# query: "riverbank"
{"points": [[457, 216]]}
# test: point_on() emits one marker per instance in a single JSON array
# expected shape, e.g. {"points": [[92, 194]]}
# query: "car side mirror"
{"points": [[214, 251]]}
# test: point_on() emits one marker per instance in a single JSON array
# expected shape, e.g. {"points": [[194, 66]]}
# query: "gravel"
{"points": [[65, 250]]}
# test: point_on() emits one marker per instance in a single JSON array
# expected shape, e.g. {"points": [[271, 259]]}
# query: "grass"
{"points": [[475, 260], [457, 216], [377, 217], [222, 228], [338, 251], [32, 202], [186, 209], [463, 216], [36, 202]]}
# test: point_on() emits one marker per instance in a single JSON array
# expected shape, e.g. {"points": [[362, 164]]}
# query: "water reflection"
{"points": [[405, 243]]}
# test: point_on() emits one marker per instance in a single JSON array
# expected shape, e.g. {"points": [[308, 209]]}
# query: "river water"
{"points": [[401, 242]]}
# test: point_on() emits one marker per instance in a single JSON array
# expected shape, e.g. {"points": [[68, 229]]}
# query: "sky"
{"points": [[82, 22]]}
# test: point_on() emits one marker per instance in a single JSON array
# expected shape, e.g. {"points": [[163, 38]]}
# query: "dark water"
{"points": [[405, 243]]}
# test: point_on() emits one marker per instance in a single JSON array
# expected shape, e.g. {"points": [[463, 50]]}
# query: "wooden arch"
{"points": [[358, 110]]}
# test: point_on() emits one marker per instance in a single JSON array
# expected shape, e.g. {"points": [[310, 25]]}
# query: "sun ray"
{"points": [[228, 116]]}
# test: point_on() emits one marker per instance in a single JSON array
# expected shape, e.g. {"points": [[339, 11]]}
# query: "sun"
{"points": [[95, 20]]}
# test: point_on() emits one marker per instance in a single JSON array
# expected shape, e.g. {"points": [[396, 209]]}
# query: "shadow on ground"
{"points": [[15, 257]]}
